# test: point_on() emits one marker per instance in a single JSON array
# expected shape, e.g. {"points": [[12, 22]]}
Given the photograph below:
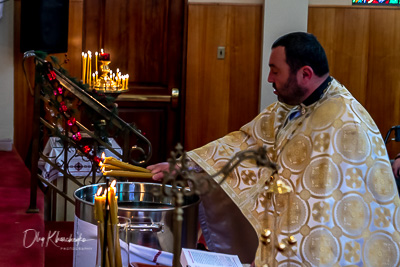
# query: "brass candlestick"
{"points": [[106, 83]]}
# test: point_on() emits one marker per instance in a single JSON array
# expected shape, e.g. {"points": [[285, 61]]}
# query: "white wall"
{"points": [[280, 17], [7, 76]]}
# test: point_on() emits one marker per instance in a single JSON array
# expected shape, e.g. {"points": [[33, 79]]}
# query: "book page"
{"points": [[200, 258]]}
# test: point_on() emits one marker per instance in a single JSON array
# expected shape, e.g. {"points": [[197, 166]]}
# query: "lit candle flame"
{"points": [[99, 191], [113, 183], [103, 156]]}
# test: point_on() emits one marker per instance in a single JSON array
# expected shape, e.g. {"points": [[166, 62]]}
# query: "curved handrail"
{"points": [[98, 107]]}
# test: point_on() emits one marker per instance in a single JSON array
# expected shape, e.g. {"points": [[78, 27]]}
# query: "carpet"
{"points": [[20, 237]]}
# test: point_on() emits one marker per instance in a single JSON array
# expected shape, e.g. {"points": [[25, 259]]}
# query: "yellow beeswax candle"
{"points": [[123, 165], [99, 205], [131, 174], [96, 56]]}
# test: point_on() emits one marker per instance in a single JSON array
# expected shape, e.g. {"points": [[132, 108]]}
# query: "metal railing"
{"points": [[138, 154]]}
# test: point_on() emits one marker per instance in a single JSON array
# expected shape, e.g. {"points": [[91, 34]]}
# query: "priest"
{"points": [[343, 206]]}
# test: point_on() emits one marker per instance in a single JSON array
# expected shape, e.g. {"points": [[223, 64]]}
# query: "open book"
{"points": [[201, 258]]}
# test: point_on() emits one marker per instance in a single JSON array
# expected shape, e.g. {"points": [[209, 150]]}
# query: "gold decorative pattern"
{"points": [[380, 182], [352, 143], [321, 248], [248, 177], [305, 230], [297, 212], [321, 177], [297, 152], [337, 195], [352, 252], [337, 232], [321, 142], [326, 114], [264, 128], [206, 151], [354, 178], [352, 215], [364, 116], [337, 159], [286, 173], [382, 217], [380, 250], [321, 212], [378, 146], [338, 124], [235, 138], [305, 194], [397, 219]]}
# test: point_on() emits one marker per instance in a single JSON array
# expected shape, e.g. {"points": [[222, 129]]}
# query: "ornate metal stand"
{"points": [[181, 177]]}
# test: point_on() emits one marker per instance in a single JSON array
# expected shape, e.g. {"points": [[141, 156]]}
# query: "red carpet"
{"points": [[20, 232], [59, 254]]}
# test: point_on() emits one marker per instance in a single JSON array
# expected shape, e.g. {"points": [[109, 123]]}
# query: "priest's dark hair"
{"points": [[303, 49]]}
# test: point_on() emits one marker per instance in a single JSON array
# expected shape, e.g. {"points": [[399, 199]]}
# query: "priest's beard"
{"points": [[291, 93]]}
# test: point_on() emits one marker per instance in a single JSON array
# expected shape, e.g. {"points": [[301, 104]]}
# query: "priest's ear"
{"points": [[305, 75]]}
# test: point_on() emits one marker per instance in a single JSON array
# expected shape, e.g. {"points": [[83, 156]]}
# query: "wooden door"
{"points": [[145, 39]]}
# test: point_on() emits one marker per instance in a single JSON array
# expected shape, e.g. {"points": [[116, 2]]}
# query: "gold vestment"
{"points": [[344, 205]]}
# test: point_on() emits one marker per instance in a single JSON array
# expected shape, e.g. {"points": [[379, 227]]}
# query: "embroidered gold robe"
{"points": [[344, 208]]}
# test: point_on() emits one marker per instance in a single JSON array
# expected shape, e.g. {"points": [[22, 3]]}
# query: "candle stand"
{"points": [[182, 178]]}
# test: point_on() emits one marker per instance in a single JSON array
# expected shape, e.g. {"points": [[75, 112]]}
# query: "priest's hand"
{"points": [[396, 168], [158, 170]]}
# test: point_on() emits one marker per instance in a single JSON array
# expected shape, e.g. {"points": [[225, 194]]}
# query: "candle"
{"points": [[127, 81], [123, 82], [93, 81], [104, 56], [124, 173], [123, 165], [83, 65], [89, 73], [96, 76], [114, 221], [113, 202], [84, 68], [99, 205], [108, 167], [96, 55]]}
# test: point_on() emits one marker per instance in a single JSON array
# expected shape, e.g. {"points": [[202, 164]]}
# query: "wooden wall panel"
{"points": [[383, 90], [74, 53], [245, 51], [207, 99], [344, 34], [362, 49], [221, 95], [23, 100]]}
